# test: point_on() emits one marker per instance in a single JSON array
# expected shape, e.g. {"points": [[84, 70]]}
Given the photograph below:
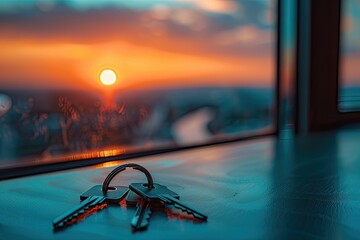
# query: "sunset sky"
{"points": [[148, 43]]}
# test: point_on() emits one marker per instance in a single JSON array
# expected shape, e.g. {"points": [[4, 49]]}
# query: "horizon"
{"points": [[155, 88]]}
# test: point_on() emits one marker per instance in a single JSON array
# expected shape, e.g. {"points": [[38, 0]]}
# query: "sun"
{"points": [[108, 77]]}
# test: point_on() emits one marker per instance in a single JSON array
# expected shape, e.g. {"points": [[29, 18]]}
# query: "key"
{"points": [[73, 213], [114, 195], [92, 198], [162, 194], [132, 198], [168, 199], [141, 218]]}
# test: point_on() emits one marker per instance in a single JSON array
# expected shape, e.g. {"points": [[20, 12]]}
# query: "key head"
{"points": [[114, 195], [152, 194], [132, 198]]}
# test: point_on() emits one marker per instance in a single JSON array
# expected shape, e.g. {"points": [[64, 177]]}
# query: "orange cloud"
{"points": [[349, 70]]}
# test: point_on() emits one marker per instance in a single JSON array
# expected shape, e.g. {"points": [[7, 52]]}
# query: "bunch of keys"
{"points": [[144, 195]]}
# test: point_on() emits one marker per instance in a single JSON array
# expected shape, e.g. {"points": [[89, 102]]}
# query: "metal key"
{"points": [[114, 194], [168, 199], [141, 218], [132, 198], [161, 193], [92, 198]]}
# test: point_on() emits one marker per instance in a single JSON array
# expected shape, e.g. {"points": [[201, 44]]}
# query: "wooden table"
{"points": [[303, 188]]}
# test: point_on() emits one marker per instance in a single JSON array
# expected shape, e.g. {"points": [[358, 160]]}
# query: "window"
{"points": [[110, 77], [349, 91]]}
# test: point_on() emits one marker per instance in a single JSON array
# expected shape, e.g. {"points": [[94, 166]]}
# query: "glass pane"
{"points": [[98, 78], [349, 84]]}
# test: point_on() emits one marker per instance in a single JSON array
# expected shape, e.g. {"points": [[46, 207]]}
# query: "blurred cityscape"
{"points": [[349, 98], [51, 123]]}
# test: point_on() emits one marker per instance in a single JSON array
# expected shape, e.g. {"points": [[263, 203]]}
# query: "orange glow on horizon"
{"points": [[66, 65]]}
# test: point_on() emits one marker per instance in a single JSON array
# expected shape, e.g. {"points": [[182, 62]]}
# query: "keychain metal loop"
{"points": [[121, 168]]}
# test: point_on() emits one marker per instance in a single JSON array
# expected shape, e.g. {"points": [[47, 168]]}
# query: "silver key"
{"points": [[132, 198], [168, 199], [161, 193], [92, 198], [141, 218]]}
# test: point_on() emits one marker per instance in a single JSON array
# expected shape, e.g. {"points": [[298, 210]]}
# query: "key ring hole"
{"points": [[112, 189], [147, 185], [113, 173]]}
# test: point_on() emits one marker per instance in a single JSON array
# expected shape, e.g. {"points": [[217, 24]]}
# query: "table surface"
{"points": [[302, 188]]}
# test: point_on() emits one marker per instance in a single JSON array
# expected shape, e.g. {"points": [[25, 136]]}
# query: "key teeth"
{"points": [[148, 215], [146, 219], [77, 214], [186, 210]]}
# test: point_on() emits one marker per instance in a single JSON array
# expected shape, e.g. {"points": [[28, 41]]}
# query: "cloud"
{"points": [[350, 70], [216, 6], [180, 30], [247, 35], [194, 19]]}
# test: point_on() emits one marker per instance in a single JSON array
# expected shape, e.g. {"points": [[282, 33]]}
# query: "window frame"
{"points": [[318, 67]]}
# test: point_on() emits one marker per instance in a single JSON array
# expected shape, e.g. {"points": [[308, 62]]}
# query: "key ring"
{"points": [[121, 168]]}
